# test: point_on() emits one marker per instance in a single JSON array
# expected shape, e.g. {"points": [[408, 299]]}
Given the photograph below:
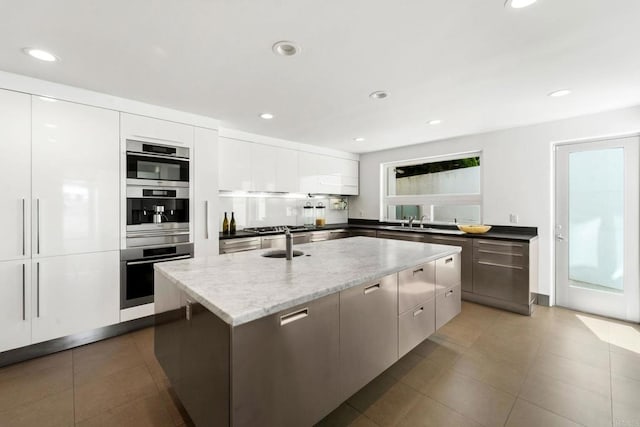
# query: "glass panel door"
{"points": [[597, 227]]}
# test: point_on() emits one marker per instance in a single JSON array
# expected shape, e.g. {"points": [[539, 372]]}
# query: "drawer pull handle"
{"points": [[418, 270], [418, 311], [493, 264], [448, 260], [448, 293], [292, 317], [484, 251], [511, 245], [371, 288]]}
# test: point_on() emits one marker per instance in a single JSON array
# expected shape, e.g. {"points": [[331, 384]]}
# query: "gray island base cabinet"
{"points": [[294, 366]]}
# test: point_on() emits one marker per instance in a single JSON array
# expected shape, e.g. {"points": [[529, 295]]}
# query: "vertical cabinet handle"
{"points": [[37, 226], [24, 302], [188, 310], [24, 228], [206, 219], [37, 289]]}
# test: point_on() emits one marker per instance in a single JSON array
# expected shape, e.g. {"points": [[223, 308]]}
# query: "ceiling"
{"points": [[474, 64]]}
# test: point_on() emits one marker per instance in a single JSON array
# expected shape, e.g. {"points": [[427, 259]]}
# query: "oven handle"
{"points": [[142, 234], [158, 156], [151, 261]]}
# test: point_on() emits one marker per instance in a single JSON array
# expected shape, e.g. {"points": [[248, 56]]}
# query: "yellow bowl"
{"points": [[474, 229]]}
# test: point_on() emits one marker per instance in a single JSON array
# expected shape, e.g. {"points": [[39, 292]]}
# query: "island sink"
{"points": [[246, 341], [281, 253]]}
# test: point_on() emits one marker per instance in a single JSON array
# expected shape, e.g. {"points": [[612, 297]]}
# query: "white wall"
{"points": [[517, 169]]}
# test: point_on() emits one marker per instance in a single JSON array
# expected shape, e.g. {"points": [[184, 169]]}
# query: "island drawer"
{"points": [[447, 272], [501, 281], [448, 305], [415, 326], [416, 285]]}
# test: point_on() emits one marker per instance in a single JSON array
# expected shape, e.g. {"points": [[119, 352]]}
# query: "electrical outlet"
{"points": [[513, 218]]}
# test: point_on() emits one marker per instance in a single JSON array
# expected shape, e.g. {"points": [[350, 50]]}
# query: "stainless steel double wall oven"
{"points": [[157, 200]]}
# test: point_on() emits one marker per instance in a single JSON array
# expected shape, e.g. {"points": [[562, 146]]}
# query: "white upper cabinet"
{"points": [[287, 171], [327, 175], [264, 160], [15, 173], [155, 130], [75, 187], [205, 192], [234, 164]]}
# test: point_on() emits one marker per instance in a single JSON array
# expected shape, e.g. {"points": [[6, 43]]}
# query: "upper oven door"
{"points": [[157, 165]]}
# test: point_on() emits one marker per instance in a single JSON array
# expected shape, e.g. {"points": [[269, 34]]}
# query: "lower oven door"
{"points": [[137, 280]]}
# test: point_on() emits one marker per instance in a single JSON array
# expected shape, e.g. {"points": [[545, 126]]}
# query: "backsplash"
{"points": [[265, 211]]}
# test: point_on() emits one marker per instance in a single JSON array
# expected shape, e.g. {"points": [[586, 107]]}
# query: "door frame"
{"points": [[554, 209]]}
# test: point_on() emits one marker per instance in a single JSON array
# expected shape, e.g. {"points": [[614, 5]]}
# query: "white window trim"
{"points": [[430, 200]]}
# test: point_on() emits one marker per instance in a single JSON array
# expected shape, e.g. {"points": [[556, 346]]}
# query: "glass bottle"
{"points": [[232, 227], [225, 224], [320, 215], [309, 218]]}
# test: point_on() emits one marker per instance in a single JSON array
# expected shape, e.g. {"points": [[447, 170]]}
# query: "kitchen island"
{"points": [[250, 340]]}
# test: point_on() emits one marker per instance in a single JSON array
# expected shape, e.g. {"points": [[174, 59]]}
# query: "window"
{"points": [[444, 189]]}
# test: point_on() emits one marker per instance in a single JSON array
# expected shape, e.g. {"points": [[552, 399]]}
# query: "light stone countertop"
{"points": [[246, 286]]}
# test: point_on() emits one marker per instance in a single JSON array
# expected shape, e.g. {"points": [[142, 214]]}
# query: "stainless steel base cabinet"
{"points": [[415, 326], [286, 366], [368, 332], [448, 305]]}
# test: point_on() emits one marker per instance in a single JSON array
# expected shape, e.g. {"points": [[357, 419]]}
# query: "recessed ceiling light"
{"points": [[379, 94], [435, 122], [519, 4], [40, 54], [358, 139], [285, 48], [266, 116], [559, 93]]}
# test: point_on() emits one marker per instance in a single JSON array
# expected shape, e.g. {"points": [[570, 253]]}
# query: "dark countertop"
{"points": [[497, 232]]}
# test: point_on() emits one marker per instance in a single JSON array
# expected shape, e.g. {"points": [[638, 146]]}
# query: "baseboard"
{"points": [[65, 343]]}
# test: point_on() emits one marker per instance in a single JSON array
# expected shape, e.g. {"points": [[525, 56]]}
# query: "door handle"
{"points": [[206, 219], [37, 289], [24, 228], [24, 302], [37, 226]]}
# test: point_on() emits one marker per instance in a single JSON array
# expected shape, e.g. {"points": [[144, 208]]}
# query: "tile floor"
{"points": [[485, 368]]}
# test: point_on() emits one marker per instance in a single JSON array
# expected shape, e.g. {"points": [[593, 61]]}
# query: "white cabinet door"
{"points": [[75, 166], [287, 171], [74, 293], [15, 174], [348, 171], [308, 168], [206, 192], [155, 130], [263, 167], [234, 164], [15, 304]]}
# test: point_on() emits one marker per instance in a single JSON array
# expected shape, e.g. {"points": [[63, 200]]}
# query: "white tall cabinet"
{"points": [[205, 149], [59, 264], [15, 251]]}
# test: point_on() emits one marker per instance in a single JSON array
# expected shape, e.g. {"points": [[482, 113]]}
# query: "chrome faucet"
{"points": [[422, 220], [411, 219]]}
